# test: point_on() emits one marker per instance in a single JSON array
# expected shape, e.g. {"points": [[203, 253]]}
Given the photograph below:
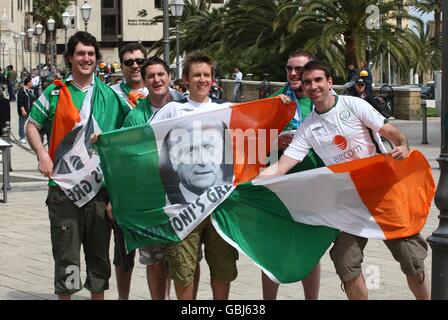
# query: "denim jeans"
{"points": [[236, 92], [11, 91], [22, 121]]}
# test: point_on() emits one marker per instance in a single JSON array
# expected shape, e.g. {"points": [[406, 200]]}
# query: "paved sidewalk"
{"points": [[26, 263]]}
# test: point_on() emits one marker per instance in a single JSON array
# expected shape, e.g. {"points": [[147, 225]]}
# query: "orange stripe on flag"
{"points": [[65, 118], [398, 193], [267, 114]]}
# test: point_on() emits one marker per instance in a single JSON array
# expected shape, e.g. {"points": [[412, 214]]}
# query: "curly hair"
{"points": [[86, 39]]}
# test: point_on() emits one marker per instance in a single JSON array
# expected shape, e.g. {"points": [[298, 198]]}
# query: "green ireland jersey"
{"points": [[108, 109]]}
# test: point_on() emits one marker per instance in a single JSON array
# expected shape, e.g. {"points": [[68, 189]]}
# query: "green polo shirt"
{"points": [[109, 109]]}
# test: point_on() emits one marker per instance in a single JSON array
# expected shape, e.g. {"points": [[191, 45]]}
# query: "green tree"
{"points": [[431, 55], [343, 31], [429, 6], [42, 11]]}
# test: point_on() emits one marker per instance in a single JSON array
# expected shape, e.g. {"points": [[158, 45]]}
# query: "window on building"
{"points": [[158, 4], [108, 4], [109, 25], [12, 10], [111, 20]]}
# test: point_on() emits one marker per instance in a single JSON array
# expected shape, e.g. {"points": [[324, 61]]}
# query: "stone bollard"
{"points": [[6, 132], [424, 123]]}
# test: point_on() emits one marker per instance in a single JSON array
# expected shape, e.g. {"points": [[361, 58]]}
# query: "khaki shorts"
{"points": [[72, 227], [347, 254], [151, 255], [221, 257]]}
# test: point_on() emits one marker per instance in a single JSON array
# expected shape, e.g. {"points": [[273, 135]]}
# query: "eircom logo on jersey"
{"points": [[341, 143]]}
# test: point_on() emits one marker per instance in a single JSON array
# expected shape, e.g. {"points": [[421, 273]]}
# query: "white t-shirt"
{"points": [[35, 81], [238, 76], [342, 134], [179, 108]]}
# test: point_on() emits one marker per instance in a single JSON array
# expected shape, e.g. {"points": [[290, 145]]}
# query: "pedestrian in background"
{"points": [[25, 100], [238, 77]]}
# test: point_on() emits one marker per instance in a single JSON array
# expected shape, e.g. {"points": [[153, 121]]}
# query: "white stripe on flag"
{"points": [[321, 197]]}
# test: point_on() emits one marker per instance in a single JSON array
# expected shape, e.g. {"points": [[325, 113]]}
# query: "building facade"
{"points": [[113, 22]]}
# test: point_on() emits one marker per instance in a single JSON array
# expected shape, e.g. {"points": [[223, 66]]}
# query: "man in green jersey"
{"points": [[155, 79], [132, 89], [293, 89], [132, 56], [73, 109]]}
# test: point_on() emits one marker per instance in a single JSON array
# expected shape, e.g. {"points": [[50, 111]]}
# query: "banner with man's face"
{"points": [[166, 177]]}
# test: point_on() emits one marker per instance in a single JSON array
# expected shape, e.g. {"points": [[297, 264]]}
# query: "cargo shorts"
{"points": [[72, 227], [347, 254], [155, 254], [221, 257]]}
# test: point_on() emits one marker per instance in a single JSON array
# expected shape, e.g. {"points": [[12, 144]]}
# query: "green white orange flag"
{"points": [[275, 221], [284, 224]]}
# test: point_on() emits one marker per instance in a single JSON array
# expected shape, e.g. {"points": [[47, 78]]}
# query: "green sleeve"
{"points": [[278, 92], [131, 119], [139, 115], [44, 108]]}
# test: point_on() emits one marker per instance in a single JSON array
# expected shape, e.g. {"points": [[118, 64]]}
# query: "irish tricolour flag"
{"points": [[166, 177]]}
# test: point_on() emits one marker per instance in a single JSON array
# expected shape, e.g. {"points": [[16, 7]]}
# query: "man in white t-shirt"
{"points": [[238, 77], [182, 257], [342, 129]]}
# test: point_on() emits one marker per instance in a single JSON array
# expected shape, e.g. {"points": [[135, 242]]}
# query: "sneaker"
{"points": [[23, 141]]}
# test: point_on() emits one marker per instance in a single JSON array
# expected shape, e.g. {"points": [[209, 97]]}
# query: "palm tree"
{"points": [[343, 31], [42, 11], [200, 28], [430, 57], [428, 6]]}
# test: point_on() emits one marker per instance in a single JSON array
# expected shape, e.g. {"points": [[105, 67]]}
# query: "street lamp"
{"points": [[3, 18], [166, 31], [3, 45], [16, 39], [85, 13], [50, 25], [30, 33], [22, 36], [66, 20], [177, 8], [368, 50], [39, 30], [439, 238]]}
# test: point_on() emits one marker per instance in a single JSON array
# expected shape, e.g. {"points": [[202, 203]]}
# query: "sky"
{"points": [[425, 17]]}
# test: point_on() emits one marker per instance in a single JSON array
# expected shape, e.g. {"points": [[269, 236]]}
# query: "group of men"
{"points": [[145, 96]]}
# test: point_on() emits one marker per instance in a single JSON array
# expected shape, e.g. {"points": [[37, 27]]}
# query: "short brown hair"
{"points": [[86, 39], [301, 53], [196, 57], [131, 47], [316, 65]]}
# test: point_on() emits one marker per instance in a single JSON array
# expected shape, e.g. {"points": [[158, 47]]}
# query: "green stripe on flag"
{"points": [[133, 181], [256, 219]]}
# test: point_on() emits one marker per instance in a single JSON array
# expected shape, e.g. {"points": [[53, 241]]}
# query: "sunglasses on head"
{"points": [[296, 69], [130, 62], [360, 84]]}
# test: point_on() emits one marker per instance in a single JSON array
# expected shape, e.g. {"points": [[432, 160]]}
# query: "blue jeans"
{"points": [[22, 121], [236, 92], [11, 91]]}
